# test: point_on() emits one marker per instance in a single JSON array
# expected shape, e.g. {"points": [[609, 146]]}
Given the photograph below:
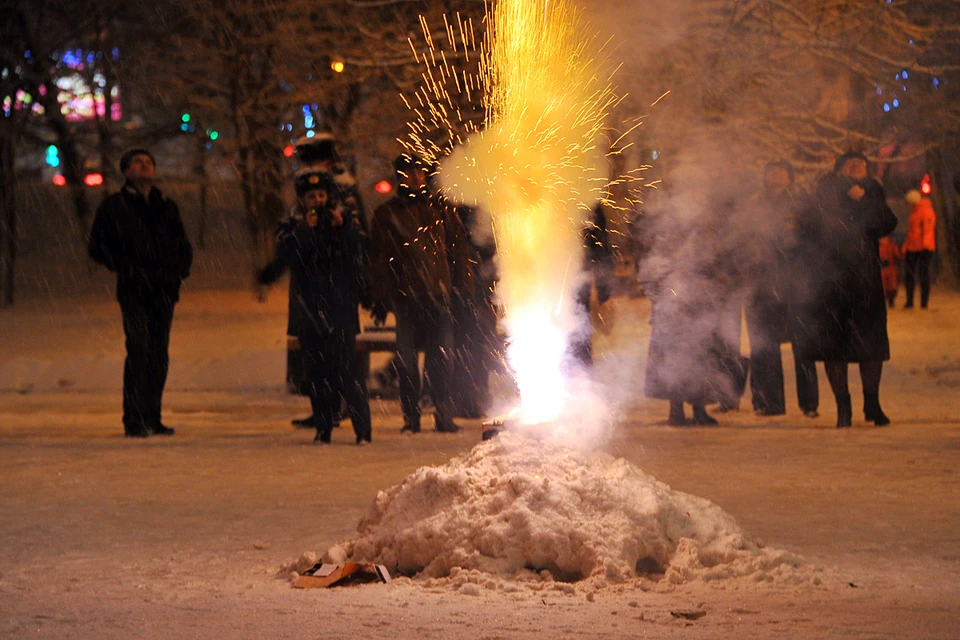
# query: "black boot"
{"points": [[135, 431], [872, 411], [702, 418], [844, 411], [305, 423], [160, 429], [676, 417], [322, 437]]}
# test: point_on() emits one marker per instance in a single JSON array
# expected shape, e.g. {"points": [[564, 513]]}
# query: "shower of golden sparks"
{"points": [[536, 166], [448, 85]]}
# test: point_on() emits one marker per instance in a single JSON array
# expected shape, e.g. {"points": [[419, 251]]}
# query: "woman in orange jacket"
{"points": [[919, 246]]}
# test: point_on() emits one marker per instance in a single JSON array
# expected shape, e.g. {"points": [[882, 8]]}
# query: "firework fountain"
{"points": [[536, 167], [539, 509]]}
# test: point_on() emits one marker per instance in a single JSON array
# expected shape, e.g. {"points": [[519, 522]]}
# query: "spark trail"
{"points": [[536, 166]]}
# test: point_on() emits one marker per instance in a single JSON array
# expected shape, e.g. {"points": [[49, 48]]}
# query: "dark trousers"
{"points": [[766, 324], [146, 326], [916, 266], [580, 350], [801, 333], [429, 330], [474, 333], [808, 390], [334, 375]]}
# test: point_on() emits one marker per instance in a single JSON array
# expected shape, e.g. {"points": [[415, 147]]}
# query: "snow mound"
{"points": [[517, 507]]}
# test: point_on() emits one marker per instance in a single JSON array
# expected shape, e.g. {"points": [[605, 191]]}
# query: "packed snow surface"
{"points": [[514, 505]]}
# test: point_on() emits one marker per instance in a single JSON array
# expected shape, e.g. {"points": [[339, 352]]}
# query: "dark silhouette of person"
{"points": [[849, 312], [419, 260], [326, 254], [137, 233]]}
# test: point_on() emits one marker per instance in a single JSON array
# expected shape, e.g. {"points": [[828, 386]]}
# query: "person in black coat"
{"points": [[326, 255], [849, 322], [772, 311], [138, 234], [419, 263], [598, 267]]}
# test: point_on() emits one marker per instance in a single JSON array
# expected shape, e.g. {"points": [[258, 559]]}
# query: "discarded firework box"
{"points": [[323, 575]]}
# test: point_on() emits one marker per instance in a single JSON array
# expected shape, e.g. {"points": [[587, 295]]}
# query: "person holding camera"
{"points": [[326, 254]]}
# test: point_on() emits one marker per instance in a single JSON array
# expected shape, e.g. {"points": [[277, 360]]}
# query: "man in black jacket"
{"points": [[138, 234], [419, 260], [326, 254]]}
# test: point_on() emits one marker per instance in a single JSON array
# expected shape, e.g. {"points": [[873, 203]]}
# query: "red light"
{"points": [[93, 179], [59, 180], [925, 187], [384, 187], [289, 150]]}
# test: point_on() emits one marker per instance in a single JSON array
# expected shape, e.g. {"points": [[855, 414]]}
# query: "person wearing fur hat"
{"points": [[326, 255], [138, 234], [918, 247], [419, 259], [320, 153]]}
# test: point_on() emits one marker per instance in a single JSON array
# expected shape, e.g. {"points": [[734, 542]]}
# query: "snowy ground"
{"points": [[183, 537]]}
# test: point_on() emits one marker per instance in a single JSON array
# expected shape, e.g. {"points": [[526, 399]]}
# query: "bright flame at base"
{"points": [[536, 353]]}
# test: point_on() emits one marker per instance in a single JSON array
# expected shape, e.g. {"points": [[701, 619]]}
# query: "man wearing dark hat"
{"points": [[419, 257], [138, 234], [325, 252], [317, 153]]}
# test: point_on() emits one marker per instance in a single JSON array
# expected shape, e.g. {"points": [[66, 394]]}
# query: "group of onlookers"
{"points": [[816, 271], [417, 262], [805, 270]]}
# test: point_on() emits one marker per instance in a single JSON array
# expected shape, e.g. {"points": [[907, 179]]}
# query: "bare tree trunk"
{"points": [[72, 164], [66, 139], [104, 123], [947, 239], [8, 220]]}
